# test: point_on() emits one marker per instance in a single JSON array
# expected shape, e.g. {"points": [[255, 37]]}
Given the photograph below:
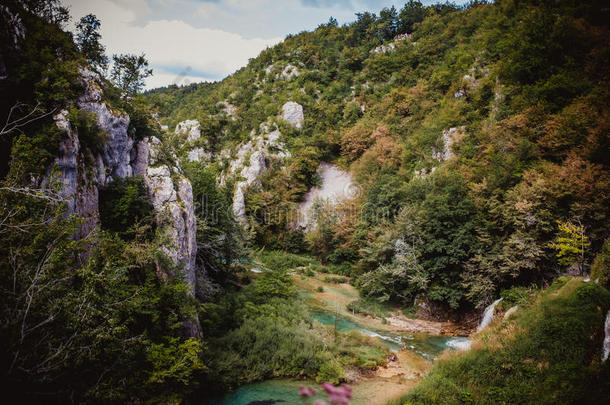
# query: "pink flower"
{"points": [[320, 403], [328, 387], [306, 391], [338, 399], [338, 395]]}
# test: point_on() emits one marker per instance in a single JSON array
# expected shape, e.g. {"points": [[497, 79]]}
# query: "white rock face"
{"points": [[337, 186], [293, 114], [289, 72], [450, 137], [249, 170], [384, 48], [191, 131], [117, 153], [228, 109], [173, 203], [190, 128], [115, 161], [198, 155]]}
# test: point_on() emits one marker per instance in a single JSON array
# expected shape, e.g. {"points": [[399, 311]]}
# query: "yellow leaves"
{"points": [[570, 243]]}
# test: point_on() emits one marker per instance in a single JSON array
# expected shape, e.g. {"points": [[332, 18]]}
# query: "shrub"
{"points": [[336, 280], [123, 204], [600, 269]]}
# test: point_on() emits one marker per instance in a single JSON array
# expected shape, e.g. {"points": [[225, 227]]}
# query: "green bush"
{"points": [[553, 357], [123, 205], [336, 280], [279, 260], [600, 269]]}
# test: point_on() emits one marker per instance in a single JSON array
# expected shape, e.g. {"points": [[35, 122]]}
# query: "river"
{"points": [[285, 391]]}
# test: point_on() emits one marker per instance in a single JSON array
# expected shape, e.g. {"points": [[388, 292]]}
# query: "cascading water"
{"points": [[606, 347], [488, 315]]}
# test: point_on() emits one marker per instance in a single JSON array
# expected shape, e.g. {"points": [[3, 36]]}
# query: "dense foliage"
{"points": [[471, 132], [478, 137], [265, 330], [94, 318], [548, 352]]}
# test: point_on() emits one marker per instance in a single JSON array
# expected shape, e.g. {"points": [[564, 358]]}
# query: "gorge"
{"points": [[408, 208]]}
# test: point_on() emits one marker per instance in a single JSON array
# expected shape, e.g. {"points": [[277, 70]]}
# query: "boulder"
{"points": [[293, 114]]}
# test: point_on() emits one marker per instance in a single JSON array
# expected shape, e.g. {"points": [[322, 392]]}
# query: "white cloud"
{"points": [[172, 46], [212, 37]]}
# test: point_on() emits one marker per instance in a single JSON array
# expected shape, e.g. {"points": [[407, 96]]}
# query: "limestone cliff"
{"points": [[121, 156]]}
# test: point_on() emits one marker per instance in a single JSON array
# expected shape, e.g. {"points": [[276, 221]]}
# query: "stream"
{"points": [[285, 391]]}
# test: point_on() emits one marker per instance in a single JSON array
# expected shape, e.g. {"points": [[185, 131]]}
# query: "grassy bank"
{"points": [[548, 352], [264, 330]]}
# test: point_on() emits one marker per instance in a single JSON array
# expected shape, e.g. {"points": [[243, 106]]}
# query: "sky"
{"points": [[188, 41]]}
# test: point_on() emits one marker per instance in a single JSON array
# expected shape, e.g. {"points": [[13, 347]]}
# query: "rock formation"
{"points": [[450, 137], [191, 132], [169, 191], [337, 186], [252, 159], [293, 114]]}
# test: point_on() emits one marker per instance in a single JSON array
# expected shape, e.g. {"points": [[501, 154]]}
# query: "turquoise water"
{"points": [[285, 392], [427, 346], [270, 392]]}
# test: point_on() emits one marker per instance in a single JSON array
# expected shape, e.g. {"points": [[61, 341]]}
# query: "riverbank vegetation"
{"points": [[265, 330], [477, 137], [547, 352]]}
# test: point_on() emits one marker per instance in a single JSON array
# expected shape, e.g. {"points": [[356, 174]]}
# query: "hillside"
{"points": [[470, 134], [547, 352]]}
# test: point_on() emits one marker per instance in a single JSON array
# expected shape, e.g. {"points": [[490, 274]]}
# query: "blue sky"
{"points": [[202, 40]]}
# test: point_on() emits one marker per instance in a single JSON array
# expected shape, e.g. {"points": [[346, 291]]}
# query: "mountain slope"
{"points": [[470, 133], [549, 351]]}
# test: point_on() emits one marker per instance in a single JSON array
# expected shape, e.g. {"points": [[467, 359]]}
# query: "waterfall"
{"points": [[459, 343], [606, 347], [488, 315]]}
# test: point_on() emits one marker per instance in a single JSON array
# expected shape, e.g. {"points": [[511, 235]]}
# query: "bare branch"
{"points": [[17, 123]]}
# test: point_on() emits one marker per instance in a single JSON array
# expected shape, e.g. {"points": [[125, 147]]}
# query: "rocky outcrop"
{"points": [[81, 184], [337, 187], [251, 162], [449, 138], [190, 131], [229, 109], [293, 114], [169, 191], [384, 48], [289, 72], [172, 197]]}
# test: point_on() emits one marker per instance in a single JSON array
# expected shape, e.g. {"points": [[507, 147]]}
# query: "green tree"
{"points": [[129, 71], [412, 13], [88, 41]]}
